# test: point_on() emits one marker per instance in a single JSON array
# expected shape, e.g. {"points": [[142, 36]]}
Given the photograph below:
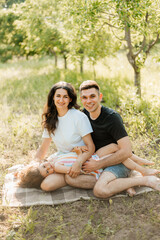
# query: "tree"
{"points": [[10, 38], [140, 21], [137, 23], [38, 18], [84, 33]]}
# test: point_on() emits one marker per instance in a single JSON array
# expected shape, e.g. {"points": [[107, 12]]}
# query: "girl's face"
{"points": [[61, 99], [46, 169]]}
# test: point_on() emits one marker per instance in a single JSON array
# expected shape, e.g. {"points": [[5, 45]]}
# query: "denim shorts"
{"points": [[119, 170]]}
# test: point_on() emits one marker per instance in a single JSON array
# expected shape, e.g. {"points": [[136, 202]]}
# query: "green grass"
{"points": [[24, 87]]}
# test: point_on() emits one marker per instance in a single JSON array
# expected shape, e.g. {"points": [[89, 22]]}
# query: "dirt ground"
{"points": [[122, 218], [117, 219]]}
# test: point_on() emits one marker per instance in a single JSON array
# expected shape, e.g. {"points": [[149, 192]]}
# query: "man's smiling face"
{"points": [[91, 99]]}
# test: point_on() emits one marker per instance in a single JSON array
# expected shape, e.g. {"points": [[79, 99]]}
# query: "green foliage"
{"points": [[141, 116], [9, 3], [136, 23], [89, 37], [10, 38], [80, 30]]}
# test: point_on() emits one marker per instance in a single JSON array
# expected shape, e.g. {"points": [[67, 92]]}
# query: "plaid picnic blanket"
{"points": [[14, 196]]}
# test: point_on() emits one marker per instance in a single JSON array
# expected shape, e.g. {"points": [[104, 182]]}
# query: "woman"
{"points": [[68, 128]]}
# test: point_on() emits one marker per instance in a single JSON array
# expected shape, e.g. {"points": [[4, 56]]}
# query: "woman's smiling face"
{"points": [[46, 169], [61, 99]]}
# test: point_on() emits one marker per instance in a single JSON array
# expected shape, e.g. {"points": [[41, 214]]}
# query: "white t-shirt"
{"points": [[70, 129]]}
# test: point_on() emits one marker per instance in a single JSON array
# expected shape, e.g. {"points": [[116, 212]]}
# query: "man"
{"points": [[107, 128]]}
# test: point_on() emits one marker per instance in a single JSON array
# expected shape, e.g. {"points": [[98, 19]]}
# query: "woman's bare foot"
{"points": [[149, 172], [153, 182], [131, 192]]}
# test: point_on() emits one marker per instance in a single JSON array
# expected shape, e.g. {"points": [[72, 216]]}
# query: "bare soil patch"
{"points": [[121, 218]]}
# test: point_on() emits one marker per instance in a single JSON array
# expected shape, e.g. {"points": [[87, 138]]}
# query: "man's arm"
{"points": [[124, 152], [76, 167]]}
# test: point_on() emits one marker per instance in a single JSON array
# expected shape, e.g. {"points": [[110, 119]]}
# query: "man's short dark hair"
{"points": [[89, 84]]}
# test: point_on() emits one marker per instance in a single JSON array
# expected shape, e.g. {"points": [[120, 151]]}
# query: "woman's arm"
{"points": [[42, 150], [76, 167]]}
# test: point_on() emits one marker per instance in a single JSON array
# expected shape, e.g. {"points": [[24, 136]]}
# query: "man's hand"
{"points": [[75, 169], [90, 165]]}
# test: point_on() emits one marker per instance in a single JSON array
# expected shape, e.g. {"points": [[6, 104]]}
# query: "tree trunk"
{"points": [[81, 64], [137, 81], [94, 72], [56, 59], [137, 73], [65, 61]]}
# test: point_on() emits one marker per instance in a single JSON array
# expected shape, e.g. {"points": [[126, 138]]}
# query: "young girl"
{"points": [[33, 174]]}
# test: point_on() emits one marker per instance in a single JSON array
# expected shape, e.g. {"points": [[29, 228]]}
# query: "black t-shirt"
{"points": [[107, 128]]}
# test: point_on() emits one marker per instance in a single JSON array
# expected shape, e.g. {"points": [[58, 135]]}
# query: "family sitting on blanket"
{"points": [[69, 128], [32, 175]]}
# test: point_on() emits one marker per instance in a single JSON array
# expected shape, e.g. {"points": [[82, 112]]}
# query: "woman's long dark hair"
{"points": [[50, 114]]}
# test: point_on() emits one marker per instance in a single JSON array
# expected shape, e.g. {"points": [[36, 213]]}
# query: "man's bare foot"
{"points": [[84, 148], [131, 192], [149, 172], [153, 182]]}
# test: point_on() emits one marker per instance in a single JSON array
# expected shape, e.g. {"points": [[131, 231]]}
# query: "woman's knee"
{"points": [[46, 186], [53, 182]]}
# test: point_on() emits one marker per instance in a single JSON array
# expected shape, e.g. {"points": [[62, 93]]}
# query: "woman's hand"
{"points": [[75, 169]]}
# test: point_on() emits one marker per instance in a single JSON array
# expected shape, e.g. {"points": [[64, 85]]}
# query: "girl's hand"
{"points": [[75, 169]]}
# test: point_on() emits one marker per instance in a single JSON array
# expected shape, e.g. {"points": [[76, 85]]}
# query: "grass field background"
{"points": [[24, 87]]}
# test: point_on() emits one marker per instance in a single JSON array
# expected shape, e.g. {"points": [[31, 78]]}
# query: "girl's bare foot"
{"points": [[143, 161], [131, 192], [153, 182], [77, 150], [149, 172], [147, 162]]}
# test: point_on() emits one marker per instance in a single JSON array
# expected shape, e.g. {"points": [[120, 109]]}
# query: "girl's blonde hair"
{"points": [[29, 177]]}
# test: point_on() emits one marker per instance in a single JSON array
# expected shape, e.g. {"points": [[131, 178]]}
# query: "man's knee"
{"points": [[101, 191]]}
